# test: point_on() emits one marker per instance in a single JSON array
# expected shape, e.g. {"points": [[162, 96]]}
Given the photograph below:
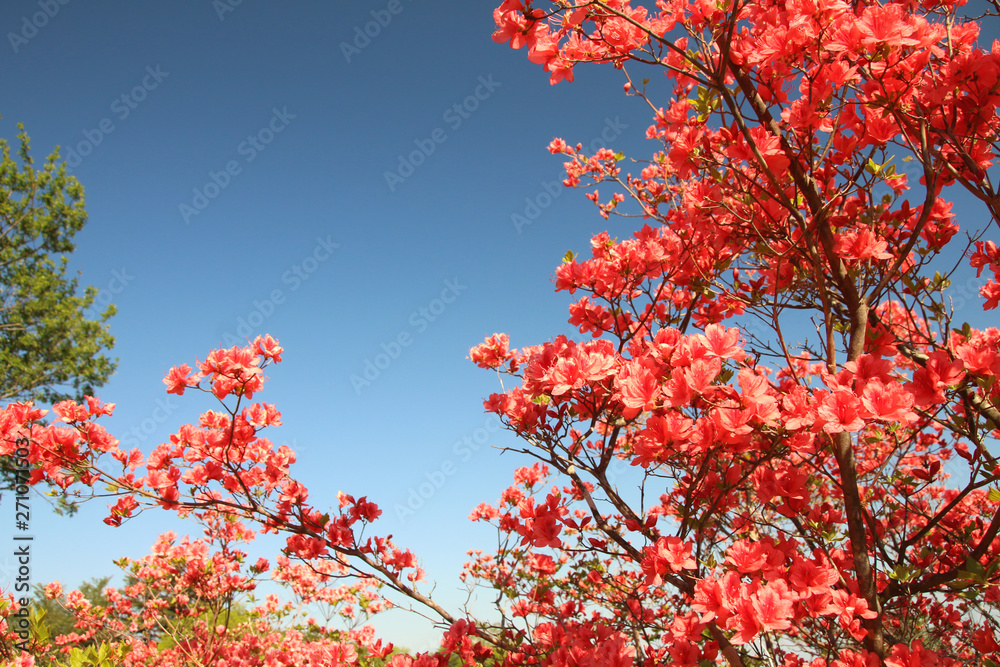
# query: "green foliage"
{"points": [[102, 655], [51, 347], [49, 619], [52, 618]]}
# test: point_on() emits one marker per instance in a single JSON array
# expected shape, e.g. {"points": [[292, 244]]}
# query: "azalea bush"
{"points": [[191, 602], [196, 602], [775, 348], [773, 441]]}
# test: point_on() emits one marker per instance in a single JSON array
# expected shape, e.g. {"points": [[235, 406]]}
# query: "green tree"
{"points": [[52, 344], [50, 618], [54, 617]]}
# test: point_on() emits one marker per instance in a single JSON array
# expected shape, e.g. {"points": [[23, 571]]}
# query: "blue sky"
{"points": [[261, 168], [235, 164]]}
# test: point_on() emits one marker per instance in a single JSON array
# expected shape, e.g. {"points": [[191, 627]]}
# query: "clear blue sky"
{"points": [[300, 141], [235, 166]]}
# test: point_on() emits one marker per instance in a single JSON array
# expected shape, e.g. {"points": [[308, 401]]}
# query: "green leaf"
{"points": [[994, 495], [975, 567], [973, 571], [52, 337], [903, 573]]}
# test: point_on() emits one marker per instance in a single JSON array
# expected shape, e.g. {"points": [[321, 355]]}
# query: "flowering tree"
{"points": [[192, 602], [774, 443], [178, 612], [794, 502]]}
